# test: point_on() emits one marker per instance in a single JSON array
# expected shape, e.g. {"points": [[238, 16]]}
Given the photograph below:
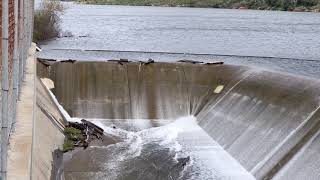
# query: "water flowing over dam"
{"points": [[261, 123]]}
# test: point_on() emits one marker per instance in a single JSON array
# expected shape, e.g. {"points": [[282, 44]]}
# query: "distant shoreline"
{"points": [[204, 4]]}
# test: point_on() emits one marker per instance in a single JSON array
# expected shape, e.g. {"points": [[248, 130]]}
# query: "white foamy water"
{"points": [[180, 139], [157, 152]]}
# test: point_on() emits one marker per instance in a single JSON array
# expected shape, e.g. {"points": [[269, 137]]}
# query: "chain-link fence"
{"points": [[16, 36]]}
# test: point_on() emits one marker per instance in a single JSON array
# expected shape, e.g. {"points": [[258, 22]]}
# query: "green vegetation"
{"points": [[73, 135], [286, 5], [68, 146], [47, 20]]}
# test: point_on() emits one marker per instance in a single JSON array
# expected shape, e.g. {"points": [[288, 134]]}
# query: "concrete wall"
{"points": [[20, 147], [38, 132], [16, 24], [49, 137], [265, 120]]}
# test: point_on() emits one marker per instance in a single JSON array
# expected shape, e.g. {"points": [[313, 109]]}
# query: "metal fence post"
{"points": [[15, 61], [21, 44], [5, 87]]}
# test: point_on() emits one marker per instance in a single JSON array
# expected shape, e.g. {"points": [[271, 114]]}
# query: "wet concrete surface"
{"points": [[259, 117]]}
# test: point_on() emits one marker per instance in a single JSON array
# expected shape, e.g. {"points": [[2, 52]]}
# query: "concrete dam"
{"points": [[253, 123]]}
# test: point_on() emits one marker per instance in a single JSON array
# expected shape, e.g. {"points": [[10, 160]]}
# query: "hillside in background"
{"points": [[285, 5]]}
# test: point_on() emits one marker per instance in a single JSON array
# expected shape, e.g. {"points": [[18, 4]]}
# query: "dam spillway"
{"points": [[268, 121]]}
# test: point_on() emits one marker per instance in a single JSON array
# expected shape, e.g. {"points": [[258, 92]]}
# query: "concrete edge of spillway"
{"points": [[48, 139], [268, 121]]}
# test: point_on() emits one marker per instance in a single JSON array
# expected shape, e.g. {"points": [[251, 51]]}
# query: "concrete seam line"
{"points": [[308, 138], [53, 99], [34, 115], [53, 120], [260, 165]]}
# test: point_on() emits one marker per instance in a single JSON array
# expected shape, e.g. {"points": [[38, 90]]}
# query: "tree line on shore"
{"points": [[285, 5]]}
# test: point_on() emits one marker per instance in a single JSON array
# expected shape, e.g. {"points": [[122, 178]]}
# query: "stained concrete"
{"points": [[266, 120], [48, 135]]}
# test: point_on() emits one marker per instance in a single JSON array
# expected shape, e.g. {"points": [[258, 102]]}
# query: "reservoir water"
{"points": [[282, 41], [190, 121]]}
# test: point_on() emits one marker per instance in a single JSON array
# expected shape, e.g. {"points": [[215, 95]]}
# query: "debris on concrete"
{"points": [[68, 61], [150, 61], [120, 61], [215, 63], [190, 61], [81, 134], [46, 62], [218, 89]]}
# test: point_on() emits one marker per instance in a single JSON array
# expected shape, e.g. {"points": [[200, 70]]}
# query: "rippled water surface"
{"points": [[210, 32]]}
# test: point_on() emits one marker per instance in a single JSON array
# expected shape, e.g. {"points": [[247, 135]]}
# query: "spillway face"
{"points": [[269, 122], [130, 91]]}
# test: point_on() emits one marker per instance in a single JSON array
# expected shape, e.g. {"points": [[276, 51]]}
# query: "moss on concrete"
{"points": [[72, 136], [68, 145]]}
